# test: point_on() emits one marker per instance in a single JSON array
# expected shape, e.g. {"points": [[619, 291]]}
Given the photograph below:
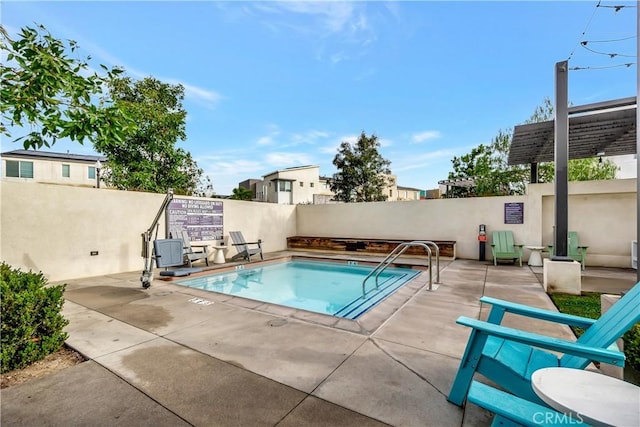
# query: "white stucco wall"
{"points": [[604, 215], [602, 212], [437, 219], [53, 228]]}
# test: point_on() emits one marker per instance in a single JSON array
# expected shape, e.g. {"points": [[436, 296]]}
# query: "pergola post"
{"points": [[534, 174], [561, 156]]}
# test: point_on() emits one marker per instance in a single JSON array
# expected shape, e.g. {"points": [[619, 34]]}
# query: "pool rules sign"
{"points": [[514, 213], [200, 217]]}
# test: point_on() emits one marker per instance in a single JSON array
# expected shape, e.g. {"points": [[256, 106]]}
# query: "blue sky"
{"points": [[271, 85]]}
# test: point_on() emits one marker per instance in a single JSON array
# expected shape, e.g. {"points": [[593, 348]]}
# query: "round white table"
{"points": [[588, 396], [219, 257], [535, 259]]}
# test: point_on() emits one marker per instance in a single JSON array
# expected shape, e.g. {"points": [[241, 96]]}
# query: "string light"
{"points": [[628, 64], [618, 8], [584, 43], [611, 55], [585, 29], [608, 41]]}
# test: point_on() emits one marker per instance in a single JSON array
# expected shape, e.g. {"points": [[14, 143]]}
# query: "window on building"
{"points": [[311, 184], [301, 184], [285, 186], [92, 172], [18, 169], [66, 171], [390, 193]]}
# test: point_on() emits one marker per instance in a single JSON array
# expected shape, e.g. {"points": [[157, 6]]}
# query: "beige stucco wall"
{"points": [[603, 213], [440, 219], [53, 228]]}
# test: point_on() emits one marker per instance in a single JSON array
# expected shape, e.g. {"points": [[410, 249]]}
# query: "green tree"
{"points": [[241, 193], [205, 187], [148, 160], [362, 172], [51, 96], [493, 176]]}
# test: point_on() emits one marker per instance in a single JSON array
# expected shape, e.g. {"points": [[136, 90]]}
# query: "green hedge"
{"points": [[31, 322]]}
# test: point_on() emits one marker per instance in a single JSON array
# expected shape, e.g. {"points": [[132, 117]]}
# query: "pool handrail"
{"points": [[395, 253], [435, 246]]}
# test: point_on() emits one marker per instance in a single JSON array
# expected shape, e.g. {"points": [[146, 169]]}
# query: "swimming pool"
{"points": [[321, 287]]}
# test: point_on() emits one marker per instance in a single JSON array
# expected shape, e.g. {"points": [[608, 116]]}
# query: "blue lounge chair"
{"points": [[509, 356], [169, 253]]}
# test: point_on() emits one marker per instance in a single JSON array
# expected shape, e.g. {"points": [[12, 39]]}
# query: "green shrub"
{"points": [[632, 347], [31, 322]]}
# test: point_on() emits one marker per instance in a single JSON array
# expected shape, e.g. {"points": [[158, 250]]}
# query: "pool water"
{"points": [[321, 287]]}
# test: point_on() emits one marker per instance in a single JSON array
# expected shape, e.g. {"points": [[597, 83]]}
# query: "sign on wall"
{"points": [[514, 213], [200, 217]]}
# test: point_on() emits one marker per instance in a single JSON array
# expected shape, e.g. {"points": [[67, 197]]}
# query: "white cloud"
{"points": [[288, 159], [229, 165], [205, 97], [309, 137], [421, 137], [332, 147], [333, 16], [341, 30], [265, 140], [420, 160]]}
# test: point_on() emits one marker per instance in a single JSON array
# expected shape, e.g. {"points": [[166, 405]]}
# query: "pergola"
{"points": [[600, 129]]}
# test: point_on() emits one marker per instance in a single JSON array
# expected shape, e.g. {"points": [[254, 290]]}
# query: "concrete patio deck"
{"points": [[172, 355]]}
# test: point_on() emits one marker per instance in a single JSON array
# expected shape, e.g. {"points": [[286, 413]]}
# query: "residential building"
{"points": [[408, 193], [291, 186], [303, 184], [324, 194], [52, 168], [255, 185]]}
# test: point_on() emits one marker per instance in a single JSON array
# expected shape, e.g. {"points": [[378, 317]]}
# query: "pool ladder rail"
{"points": [[399, 250]]}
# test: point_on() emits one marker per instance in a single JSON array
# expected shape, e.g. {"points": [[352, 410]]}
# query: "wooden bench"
{"points": [[447, 248]]}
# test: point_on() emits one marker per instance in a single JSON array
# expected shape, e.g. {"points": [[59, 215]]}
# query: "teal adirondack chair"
{"points": [[509, 356], [511, 410], [503, 247], [574, 250]]}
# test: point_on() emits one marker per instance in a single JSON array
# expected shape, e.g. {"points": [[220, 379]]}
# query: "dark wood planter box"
{"points": [[375, 246]]}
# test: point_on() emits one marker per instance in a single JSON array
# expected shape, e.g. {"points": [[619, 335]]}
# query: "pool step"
{"points": [[386, 287]]}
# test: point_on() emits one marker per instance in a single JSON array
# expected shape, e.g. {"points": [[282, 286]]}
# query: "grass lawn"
{"points": [[585, 305], [588, 305]]}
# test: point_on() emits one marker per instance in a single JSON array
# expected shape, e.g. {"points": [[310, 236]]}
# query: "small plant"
{"points": [[632, 346], [31, 322]]}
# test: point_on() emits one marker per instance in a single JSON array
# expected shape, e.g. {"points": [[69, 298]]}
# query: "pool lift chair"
{"points": [[166, 252]]}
